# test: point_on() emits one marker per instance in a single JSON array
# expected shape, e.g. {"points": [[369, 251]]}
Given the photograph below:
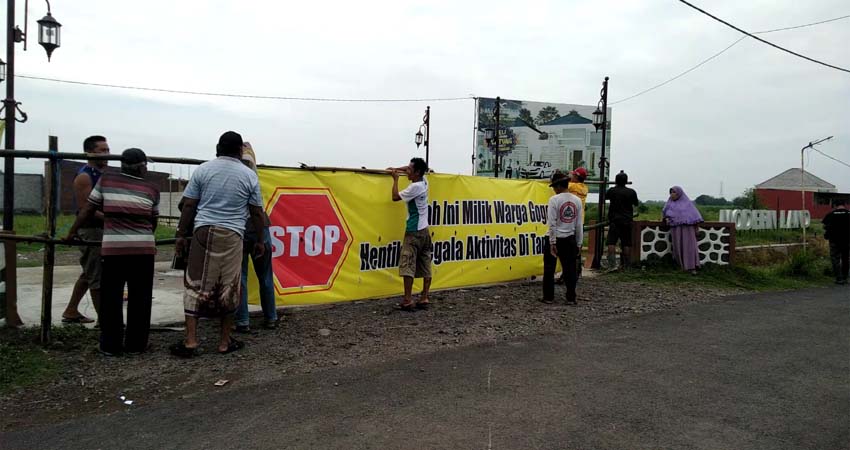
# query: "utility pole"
{"points": [[802, 181]]}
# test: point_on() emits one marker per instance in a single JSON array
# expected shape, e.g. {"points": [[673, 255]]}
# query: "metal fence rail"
{"points": [[53, 155], [51, 202]]}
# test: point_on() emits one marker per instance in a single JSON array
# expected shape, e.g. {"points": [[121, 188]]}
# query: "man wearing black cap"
{"points": [[836, 227], [217, 202], [564, 217], [130, 207]]}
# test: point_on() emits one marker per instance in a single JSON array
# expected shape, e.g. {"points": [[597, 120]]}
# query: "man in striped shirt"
{"points": [[130, 206]]}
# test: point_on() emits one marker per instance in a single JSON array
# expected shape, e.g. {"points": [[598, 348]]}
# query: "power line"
{"points": [[263, 97], [439, 99], [764, 41], [830, 157], [700, 64], [801, 26], [681, 74]]}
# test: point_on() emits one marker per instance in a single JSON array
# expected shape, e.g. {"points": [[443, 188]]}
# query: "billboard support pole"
{"points": [[496, 114], [603, 177]]}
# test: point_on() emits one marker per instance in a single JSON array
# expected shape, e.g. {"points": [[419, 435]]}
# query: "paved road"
{"points": [[767, 371]]}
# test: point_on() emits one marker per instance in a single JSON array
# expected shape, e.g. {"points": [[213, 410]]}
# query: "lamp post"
{"points": [[600, 121], [426, 125], [49, 38]]}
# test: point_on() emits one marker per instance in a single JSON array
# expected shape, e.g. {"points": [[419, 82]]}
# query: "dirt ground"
{"points": [[312, 339]]}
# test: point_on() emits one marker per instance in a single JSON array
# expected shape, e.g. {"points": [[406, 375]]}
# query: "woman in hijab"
{"points": [[682, 217]]}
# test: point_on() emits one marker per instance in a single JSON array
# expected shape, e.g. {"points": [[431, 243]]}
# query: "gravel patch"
{"points": [[311, 339]]}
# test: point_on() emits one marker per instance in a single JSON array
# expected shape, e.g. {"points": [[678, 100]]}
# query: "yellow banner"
{"points": [[336, 236]]}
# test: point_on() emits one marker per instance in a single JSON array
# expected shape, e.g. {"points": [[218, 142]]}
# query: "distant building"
{"points": [[68, 171], [29, 193], [782, 192]]}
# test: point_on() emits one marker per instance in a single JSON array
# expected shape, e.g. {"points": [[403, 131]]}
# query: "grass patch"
{"points": [[34, 224], [21, 366], [22, 361], [25, 362], [802, 270]]}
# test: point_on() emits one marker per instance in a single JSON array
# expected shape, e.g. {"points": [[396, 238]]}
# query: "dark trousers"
{"points": [[840, 256], [137, 272], [568, 255]]}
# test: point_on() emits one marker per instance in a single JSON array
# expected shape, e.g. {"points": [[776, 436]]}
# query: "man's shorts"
{"points": [[90, 256], [620, 231], [416, 255]]}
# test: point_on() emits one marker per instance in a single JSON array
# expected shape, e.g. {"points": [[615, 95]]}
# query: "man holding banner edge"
{"points": [[415, 261]]}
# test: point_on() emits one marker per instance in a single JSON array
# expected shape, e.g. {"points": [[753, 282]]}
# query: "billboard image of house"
{"points": [[536, 139]]}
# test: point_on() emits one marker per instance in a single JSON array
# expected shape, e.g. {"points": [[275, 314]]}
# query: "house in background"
{"points": [[782, 192]]}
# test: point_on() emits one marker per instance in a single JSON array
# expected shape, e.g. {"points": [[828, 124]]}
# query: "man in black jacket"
{"points": [[623, 201], [836, 227]]}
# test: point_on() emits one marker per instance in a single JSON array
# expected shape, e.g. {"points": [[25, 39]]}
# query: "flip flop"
{"points": [[232, 346], [81, 319], [423, 305], [180, 349], [406, 307]]}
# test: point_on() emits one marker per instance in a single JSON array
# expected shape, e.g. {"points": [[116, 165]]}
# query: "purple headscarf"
{"points": [[681, 211]]}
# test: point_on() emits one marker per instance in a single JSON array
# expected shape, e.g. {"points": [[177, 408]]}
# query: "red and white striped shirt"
{"points": [[130, 207]]}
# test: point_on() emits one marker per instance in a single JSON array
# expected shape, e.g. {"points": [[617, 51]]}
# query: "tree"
{"points": [[748, 200], [547, 114], [708, 200], [525, 115]]}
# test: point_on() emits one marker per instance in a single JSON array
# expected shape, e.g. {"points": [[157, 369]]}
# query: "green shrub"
{"points": [[803, 264]]}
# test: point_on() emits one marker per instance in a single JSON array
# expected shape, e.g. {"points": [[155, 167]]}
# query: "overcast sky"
{"points": [[740, 119]]}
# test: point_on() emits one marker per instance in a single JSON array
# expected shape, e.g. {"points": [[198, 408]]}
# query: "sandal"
{"points": [[409, 307], [81, 319], [232, 346], [180, 349]]}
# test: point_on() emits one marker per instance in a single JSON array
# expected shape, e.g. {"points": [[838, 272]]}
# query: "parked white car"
{"points": [[537, 169]]}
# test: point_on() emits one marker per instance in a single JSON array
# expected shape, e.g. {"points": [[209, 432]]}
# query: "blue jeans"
{"points": [[263, 269]]}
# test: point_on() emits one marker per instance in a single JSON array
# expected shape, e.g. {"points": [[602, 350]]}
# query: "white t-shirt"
{"points": [[416, 197], [564, 217]]}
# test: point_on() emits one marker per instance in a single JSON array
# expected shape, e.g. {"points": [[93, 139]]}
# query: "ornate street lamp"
{"points": [[48, 37], [49, 31], [489, 135], [598, 119], [425, 137]]}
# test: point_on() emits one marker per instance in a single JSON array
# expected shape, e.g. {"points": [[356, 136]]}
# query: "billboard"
{"points": [[536, 139], [332, 243]]}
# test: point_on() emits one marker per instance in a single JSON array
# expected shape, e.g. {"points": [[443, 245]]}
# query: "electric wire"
{"points": [[701, 63], [250, 96], [764, 41], [446, 99], [830, 157]]}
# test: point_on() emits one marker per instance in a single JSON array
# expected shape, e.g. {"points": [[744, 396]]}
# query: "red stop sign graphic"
{"points": [[310, 239]]}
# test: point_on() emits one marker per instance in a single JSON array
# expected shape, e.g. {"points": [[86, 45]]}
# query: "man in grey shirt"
{"points": [[218, 200]]}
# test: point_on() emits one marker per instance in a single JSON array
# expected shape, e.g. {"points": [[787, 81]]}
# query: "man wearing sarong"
{"points": [[219, 199]]}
